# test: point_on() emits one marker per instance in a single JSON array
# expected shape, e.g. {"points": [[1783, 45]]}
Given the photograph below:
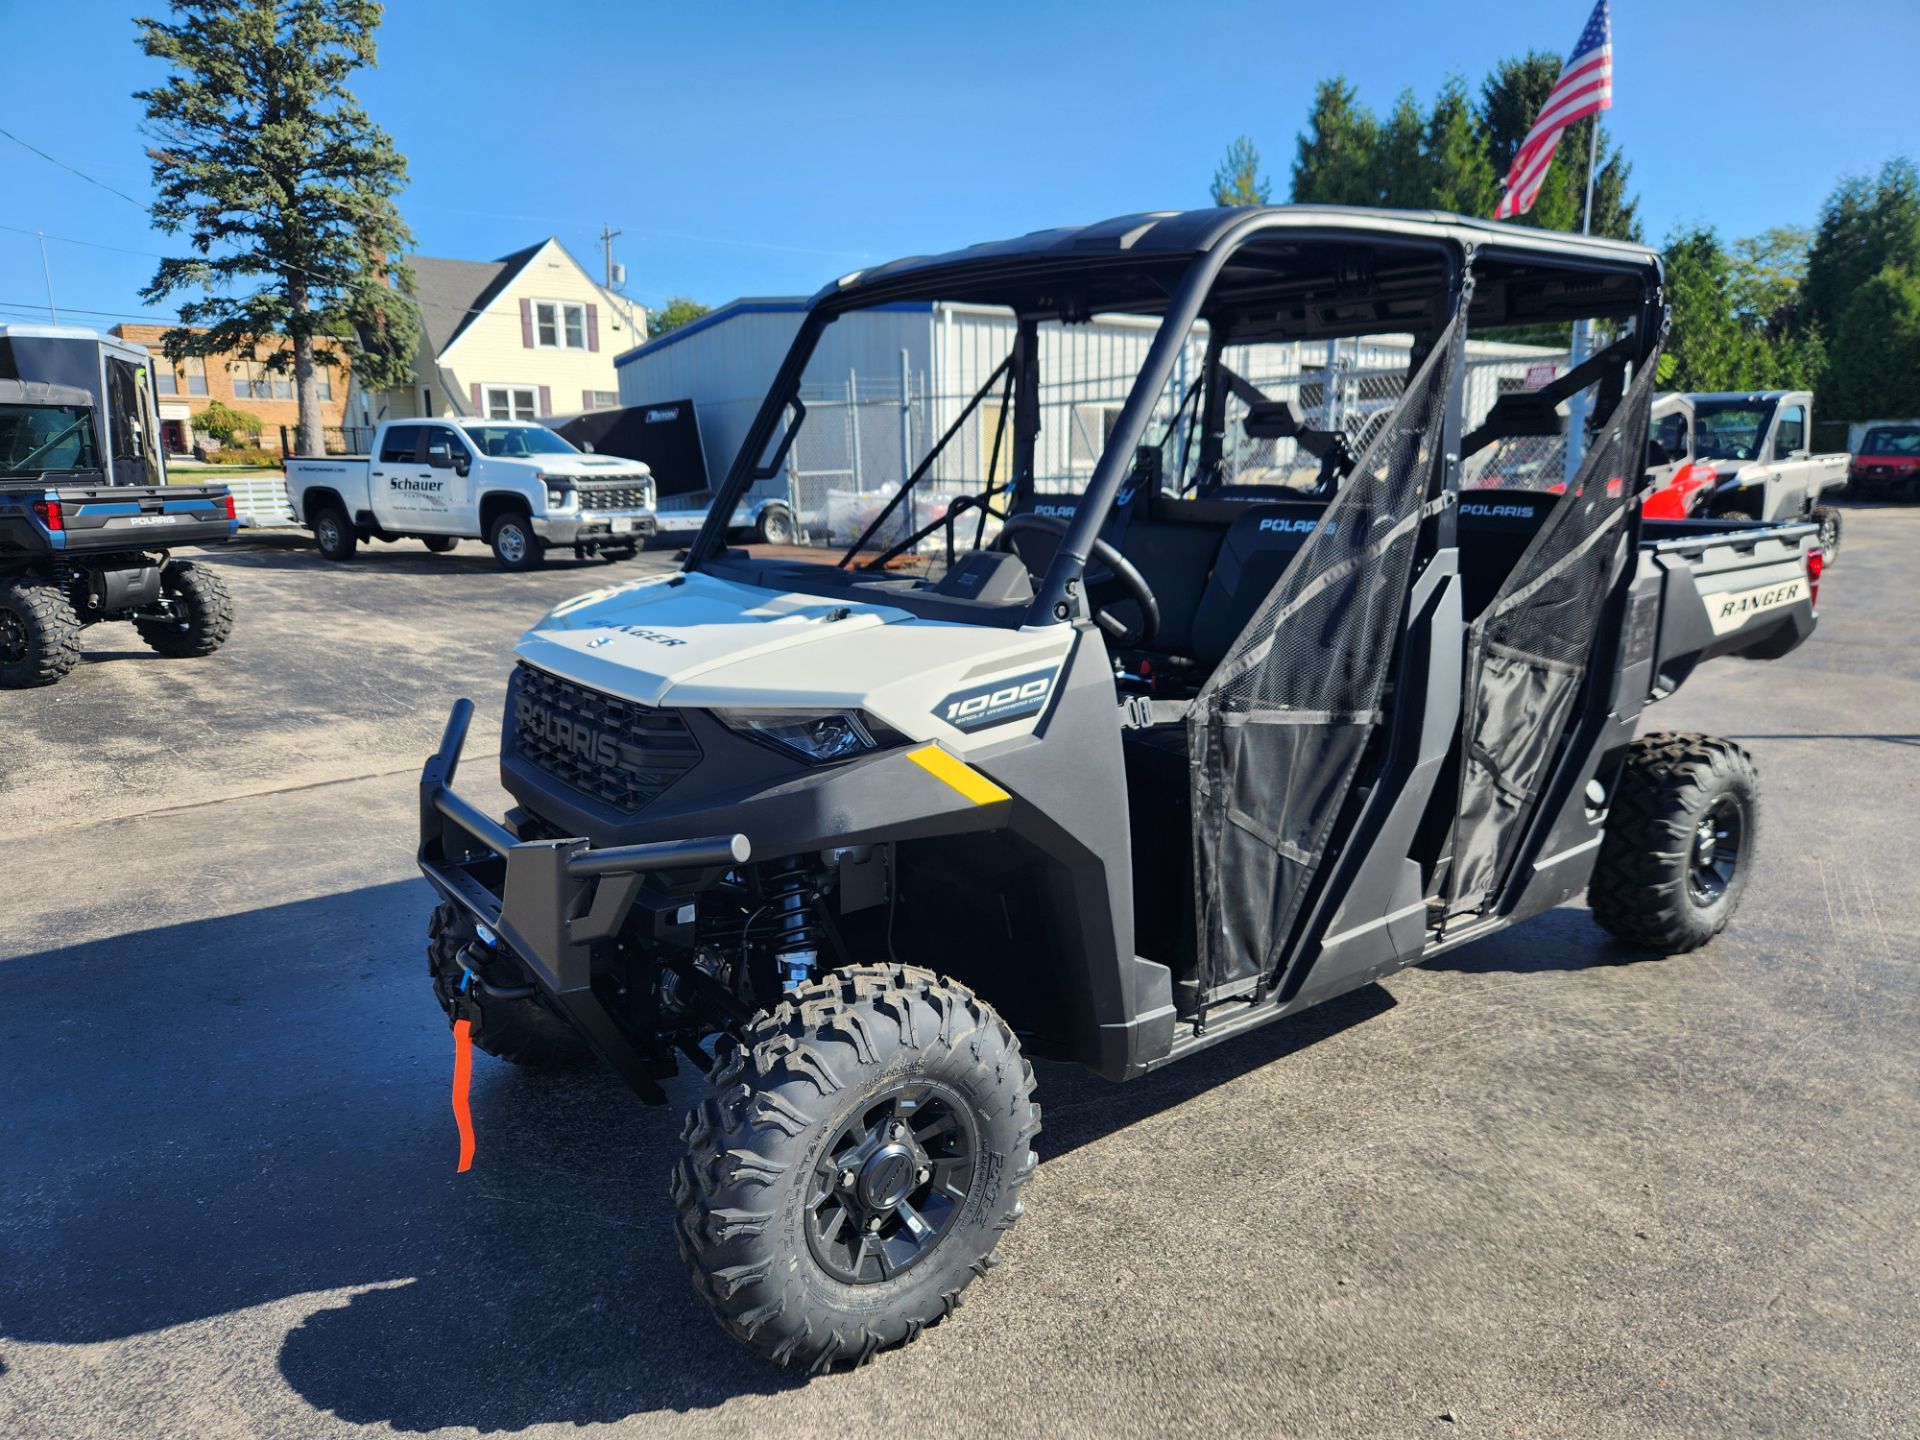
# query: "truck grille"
{"points": [[612, 750], [615, 494]]}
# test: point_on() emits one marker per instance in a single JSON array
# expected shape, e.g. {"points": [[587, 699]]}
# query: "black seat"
{"points": [[1259, 545], [1495, 528]]}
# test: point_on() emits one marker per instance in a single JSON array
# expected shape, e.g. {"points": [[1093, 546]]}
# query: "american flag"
{"points": [[1585, 87]]}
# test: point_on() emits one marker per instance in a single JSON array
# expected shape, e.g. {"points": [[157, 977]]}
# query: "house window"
{"points": [[512, 402], [195, 367], [326, 383], [559, 326], [165, 381], [603, 399], [253, 381]]}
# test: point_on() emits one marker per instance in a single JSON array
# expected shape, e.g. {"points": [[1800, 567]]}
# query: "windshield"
{"points": [[1730, 429], [36, 438], [1892, 440], [516, 441]]}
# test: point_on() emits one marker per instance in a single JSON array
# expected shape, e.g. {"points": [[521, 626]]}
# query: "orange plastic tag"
{"points": [[462, 1078]]}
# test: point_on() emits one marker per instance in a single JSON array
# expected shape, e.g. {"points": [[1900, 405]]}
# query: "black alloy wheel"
{"points": [[891, 1183]]}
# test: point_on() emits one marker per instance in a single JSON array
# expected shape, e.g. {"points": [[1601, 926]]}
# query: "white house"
{"points": [[524, 337]]}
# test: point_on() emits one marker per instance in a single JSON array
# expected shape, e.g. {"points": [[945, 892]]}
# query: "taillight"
{"points": [[1816, 562], [232, 514], [48, 513]]}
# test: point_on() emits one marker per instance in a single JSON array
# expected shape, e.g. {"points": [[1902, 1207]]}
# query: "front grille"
{"points": [[611, 750], [615, 494]]}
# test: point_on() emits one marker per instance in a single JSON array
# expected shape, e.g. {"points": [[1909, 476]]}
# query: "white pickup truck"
{"points": [[513, 483], [1763, 466]]}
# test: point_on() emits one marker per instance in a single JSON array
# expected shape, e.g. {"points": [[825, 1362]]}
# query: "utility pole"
{"points": [[47, 271], [607, 236]]}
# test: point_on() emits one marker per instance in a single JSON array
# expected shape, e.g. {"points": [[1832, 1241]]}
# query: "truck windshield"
{"points": [[515, 441], [35, 438], [1730, 429], [1892, 440]]}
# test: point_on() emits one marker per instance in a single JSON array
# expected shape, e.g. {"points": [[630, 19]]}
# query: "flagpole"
{"points": [[1593, 147], [1577, 408]]}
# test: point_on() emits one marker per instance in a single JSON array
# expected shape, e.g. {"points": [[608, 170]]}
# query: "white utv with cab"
{"points": [[1123, 764]]}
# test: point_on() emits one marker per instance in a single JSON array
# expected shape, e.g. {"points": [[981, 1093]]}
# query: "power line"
{"points": [[137, 204]]}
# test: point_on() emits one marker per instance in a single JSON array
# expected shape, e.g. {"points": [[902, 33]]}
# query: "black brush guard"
{"points": [[551, 900]]}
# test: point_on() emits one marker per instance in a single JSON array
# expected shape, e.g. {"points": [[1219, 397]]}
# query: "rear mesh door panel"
{"points": [[1530, 650]]}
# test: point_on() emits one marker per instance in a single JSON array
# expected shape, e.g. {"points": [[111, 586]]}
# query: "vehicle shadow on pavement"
{"points": [[209, 1117], [1563, 939]]}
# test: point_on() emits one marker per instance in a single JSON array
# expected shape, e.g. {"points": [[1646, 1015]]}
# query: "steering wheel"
{"points": [[1119, 581]]}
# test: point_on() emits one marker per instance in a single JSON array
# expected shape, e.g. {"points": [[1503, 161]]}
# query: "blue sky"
{"points": [[753, 148]]}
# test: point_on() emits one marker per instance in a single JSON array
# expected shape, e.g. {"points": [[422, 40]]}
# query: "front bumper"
{"points": [[551, 900], [597, 527]]}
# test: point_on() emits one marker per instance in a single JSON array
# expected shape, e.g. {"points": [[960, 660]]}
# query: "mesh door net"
{"points": [[1277, 733], [1530, 649]]}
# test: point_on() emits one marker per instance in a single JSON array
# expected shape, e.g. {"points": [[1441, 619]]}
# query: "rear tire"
{"points": [[912, 1089], [1828, 519], [206, 613], [39, 634], [1679, 842], [775, 526], [333, 534], [522, 1031], [439, 544], [515, 546]]}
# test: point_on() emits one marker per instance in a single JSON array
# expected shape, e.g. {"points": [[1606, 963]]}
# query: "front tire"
{"points": [[1828, 519], [39, 634], [515, 546], [520, 1031], [333, 534], [203, 613], [860, 1154], [1679, 842]]}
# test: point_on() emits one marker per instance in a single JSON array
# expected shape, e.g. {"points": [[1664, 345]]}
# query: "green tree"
{"points": [[285, 189], [1865, 226], [1721, 339], [1238, 180], [223, 422], [1402, 177], [1510, 99], [1334, 158], [1875, 369], [671, 316], [1462, 177], [1768, 272]]}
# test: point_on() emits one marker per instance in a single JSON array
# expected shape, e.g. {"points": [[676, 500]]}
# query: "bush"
{"points": [[232, 456], [224, 423]]}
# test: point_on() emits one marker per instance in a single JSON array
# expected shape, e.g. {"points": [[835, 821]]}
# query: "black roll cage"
{"points": [[1354, 303]]}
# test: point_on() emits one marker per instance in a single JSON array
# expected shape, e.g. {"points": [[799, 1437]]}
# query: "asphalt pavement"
{"points": [[1544, 1186]]}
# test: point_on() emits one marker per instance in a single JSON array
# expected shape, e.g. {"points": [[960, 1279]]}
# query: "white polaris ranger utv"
{"points": [[1178, 720]]}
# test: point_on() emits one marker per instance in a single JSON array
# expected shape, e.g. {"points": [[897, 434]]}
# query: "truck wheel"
{"points": [[774, 527], [860, 1154], [333, 534], [515, 545], [1679, 842], [1828, 519], [439, 544], [203, 613], [39, 634], [520, 1031]]}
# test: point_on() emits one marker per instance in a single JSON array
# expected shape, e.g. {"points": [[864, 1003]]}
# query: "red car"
{"points": [[1887, 465]]}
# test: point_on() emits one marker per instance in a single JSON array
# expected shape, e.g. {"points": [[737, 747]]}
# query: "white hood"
{"points": [[696, 640]]}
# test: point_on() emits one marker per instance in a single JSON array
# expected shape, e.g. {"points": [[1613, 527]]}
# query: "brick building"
{"points": [[186, 387]]}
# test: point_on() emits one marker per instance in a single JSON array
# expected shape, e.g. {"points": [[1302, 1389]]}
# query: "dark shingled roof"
{"points": [[452, 292]]}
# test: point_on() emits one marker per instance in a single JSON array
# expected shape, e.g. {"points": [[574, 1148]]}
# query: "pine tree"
{"points": [[1402, 176], [1462, 177], [1335, 157], [1875, 366], [1238, 181], [1865, 226], [285, 189]]}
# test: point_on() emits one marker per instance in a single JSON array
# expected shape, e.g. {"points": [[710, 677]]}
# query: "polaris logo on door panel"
{"points": [[1294, 527], [582, 741], [997, 703], [1498, 512], [1731, 611]]}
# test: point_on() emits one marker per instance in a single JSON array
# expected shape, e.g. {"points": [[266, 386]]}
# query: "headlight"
{"points": [[814, 735], [557, 498]]}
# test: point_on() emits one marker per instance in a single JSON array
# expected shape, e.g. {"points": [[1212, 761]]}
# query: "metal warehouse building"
{"points": [[885, 384]]}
